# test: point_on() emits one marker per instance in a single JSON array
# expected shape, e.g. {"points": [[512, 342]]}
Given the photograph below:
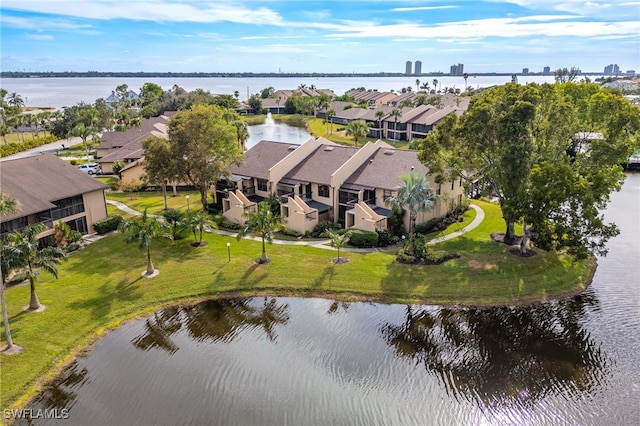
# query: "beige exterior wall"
{"points": [[236, 205], [298, 215], [107, 167], [135, 173], [364, 218], [95, 207]]}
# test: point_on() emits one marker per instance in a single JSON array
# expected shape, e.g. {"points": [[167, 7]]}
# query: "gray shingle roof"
{"points": [[261, 157], [34, 182], [384, 168], [321, 164]]}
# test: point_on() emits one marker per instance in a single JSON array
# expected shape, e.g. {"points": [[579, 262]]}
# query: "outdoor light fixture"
{"points": [[229, 251], [187, 197]]}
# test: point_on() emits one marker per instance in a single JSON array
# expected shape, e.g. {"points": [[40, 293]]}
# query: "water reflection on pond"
{"points": [[302, 361]]}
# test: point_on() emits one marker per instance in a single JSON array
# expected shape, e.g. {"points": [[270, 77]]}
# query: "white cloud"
{"points": [[39, 37], [40, 23], [531, 26], [418, 8], [150, 10]]}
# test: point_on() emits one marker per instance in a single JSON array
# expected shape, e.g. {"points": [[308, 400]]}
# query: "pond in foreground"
{"points": [[315, 361]]}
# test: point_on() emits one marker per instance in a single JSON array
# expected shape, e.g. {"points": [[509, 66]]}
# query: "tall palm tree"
{"points": [[379, 115], [22, 251], [357, 129], [143, 231], [465, 76], [435, 85], [338, 241], [7, 205], [15, 100], [83, 132], [415, 196], [330, 114], [243, 132], [262, 223], [395, 114], [4, 131], [417, 84]]}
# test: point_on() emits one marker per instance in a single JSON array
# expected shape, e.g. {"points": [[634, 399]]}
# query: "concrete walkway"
{"points": [[325, 244]]}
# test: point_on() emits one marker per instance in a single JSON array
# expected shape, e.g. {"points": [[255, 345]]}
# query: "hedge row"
{"points": [[108, 224], [16, 147]]}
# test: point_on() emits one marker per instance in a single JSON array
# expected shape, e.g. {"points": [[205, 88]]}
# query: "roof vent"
{"points": [[292, 147], [389, 152], [328, 148]]}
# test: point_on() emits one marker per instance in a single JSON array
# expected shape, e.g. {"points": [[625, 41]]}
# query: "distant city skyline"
{"points": [[274, 36]]}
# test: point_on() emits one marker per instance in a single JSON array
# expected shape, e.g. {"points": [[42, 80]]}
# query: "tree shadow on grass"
{"points": [[249, 280], [101, 304], [327, 275]]}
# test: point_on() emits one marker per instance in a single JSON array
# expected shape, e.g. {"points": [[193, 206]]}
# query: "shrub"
{"points": [[290, 232], [320, 230], [108, 224], [15, 147], [227, 224], [437, 256], [74, 237], [117, 167], [428, 226], [385, 237], [403, 257], [363, 239]]}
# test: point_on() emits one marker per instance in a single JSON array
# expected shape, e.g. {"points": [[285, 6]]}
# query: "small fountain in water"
{"points": [[269, 122]]}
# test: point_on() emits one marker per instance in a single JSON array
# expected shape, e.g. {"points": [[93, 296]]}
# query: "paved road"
{"points": [[324, 244], [50, 148]]}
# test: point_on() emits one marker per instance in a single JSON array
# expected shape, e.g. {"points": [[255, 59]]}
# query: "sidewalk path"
{"points": [[324, 244], [50, 148]]}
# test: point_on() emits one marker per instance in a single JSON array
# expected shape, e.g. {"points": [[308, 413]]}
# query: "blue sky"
{"points": [[308, 36]]}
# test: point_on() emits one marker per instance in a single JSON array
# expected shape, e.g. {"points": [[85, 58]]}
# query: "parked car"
{"points": [[91, 168]]}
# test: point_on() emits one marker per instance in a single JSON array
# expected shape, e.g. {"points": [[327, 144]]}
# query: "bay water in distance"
{"points": [[62, 91]]}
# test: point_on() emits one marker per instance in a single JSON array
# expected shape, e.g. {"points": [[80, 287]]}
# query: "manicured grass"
{"points": [[110, 181], [101, 286], [154, 201], [16, 137]]}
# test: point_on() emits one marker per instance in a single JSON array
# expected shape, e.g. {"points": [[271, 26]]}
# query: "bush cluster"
{"points": [[441, 223], [108, 224], [290, 232], [15, 147], [320, 230], [386, 238], [363, 239]]}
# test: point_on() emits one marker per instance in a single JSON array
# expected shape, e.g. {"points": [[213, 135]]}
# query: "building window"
{"points": [[386, 194], [67, 207], [262, 185], [323, 190]]}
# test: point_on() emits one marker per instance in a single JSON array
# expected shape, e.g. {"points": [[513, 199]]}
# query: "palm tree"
{"points": [[465, 76], [143, 231], [175, 219], [243, 132], [197, 222], [415, 196], [330, 114], [395, 114], [379, 115], [236, 94], [338, 241], [417, 84], [262, 223], [4, 131], [358, 130], [83, 132], [7, 205], [22, 251], [435, 85], [15, 100]]}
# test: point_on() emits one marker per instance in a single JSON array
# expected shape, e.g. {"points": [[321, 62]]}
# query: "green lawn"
{"points": [[101, 286], [154, 201]]}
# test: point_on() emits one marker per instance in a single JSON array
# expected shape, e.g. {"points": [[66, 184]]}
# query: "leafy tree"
{"points": [[357, 129], [267, 92], [117, 167], [526, 143], [262, 223], [149, 96], [255, 102], [197, 222], [414, 196], [338, 241], [7, 206], [22, 251], [85, 128], [226, 101], [158, 163], [203, 146], [564, 75], [242, 132], [143, 231]]}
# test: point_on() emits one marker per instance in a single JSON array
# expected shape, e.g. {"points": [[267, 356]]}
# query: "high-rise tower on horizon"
{"points": [[418, 68], [407, 68], [456, 69]]}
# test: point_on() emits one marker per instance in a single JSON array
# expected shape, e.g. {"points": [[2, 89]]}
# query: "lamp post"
{"points": [[187, 197], [229, 251]]}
